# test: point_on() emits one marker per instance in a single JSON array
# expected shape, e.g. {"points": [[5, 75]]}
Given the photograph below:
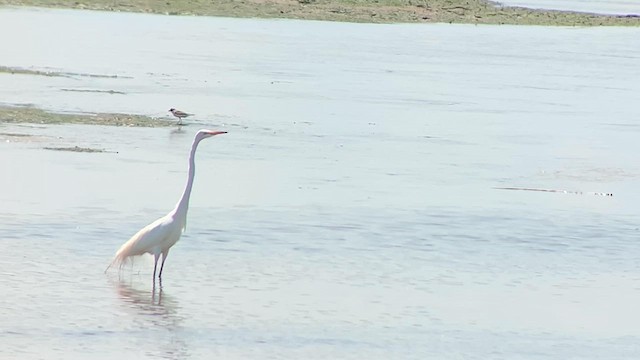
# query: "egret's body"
{"points": [[159, 236]]}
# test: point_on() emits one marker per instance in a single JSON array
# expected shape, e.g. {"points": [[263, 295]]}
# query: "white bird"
{"points": [[159, 236], [179, 114]]}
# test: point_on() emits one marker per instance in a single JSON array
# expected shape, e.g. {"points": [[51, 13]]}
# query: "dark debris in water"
{"points": [[112, 92], [79, 149], [14, 134], [556, 191], [25, 71]]}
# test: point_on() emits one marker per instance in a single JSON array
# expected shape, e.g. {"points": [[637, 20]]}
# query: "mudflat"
{"points": [[27, 114]]}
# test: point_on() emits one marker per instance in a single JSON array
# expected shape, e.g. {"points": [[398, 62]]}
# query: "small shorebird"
{"points": [[179, 114]]}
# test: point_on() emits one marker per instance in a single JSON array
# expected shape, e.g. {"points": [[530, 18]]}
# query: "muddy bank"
{"points": [[22, 71], [37, 116], [370, 11]]}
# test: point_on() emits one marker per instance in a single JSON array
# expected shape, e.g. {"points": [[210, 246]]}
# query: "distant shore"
{"points": [[363, 11]]}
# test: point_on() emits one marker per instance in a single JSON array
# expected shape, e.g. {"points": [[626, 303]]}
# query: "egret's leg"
{"points": [[155, 265], [164, 257]]}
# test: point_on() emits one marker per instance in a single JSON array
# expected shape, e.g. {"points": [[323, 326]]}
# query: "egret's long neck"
{"points": [[183, 204]]}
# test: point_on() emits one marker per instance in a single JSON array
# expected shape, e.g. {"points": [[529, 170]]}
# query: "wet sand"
{"points": [[379, 11]]}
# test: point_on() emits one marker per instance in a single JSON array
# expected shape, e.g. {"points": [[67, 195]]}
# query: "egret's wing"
{"points": [[144, 240]]}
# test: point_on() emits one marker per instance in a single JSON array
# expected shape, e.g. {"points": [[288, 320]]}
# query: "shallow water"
{"points": [[616, 7], [349, 213]]}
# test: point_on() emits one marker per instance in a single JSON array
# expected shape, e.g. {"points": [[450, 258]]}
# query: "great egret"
{"points": [[179, 114], [159, 236]]}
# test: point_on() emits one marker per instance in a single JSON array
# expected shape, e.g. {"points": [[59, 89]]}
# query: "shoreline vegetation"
{"points": [[362, 11]]}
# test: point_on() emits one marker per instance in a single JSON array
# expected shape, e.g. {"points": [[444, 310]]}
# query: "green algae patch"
{"points": [[367, 11], [37, 116]]}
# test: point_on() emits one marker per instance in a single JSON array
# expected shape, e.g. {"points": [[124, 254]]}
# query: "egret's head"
{"points": [[203, 134], [172, 110]]}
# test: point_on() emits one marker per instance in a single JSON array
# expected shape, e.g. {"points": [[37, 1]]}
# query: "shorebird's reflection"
{"points": [[177, 131], [158, 313]]}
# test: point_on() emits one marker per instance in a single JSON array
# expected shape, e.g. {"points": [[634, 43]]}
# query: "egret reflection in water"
{"points": [[155, 312]]}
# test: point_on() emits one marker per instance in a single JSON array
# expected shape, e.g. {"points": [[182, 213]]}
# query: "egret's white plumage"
{"points": [[159, 236]]}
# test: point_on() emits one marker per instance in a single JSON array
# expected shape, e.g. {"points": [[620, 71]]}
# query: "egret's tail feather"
{"points": [[120, 259], [113, 262]]}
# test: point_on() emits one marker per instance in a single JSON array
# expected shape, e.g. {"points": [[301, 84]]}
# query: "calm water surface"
{"points": [[351, 211], [618, 7]]}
